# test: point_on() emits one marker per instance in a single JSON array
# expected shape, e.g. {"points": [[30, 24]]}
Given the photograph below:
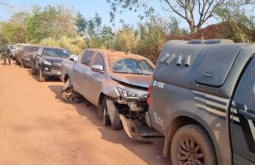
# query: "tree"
{"points": [[81, 24], [238, 21], [12, 32], [186, 9], [52, 21]]}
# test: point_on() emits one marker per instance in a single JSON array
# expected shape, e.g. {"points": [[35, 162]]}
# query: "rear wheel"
{"points": [[192, 145], [39, 75], [69, 95], [113, 114]]}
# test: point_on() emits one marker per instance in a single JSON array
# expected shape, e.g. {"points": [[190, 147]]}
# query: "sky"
{"points": [[87, 8]]}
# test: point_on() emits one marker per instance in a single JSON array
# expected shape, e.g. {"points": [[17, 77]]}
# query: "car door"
{"points": [[80, 73], [242, 117], [94, 81]]}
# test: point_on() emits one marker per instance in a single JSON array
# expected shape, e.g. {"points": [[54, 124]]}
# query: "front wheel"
{"points": [[69, 95], [17, 62], [39, 75], [33, 71], [192, 145], [113, 114], [22, 64]]}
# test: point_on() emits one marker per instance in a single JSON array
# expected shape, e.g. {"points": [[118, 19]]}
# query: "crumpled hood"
{"points": [[54, 59], [137, 80]]}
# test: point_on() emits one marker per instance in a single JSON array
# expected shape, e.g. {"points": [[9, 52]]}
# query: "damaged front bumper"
{"points": [[138, 130]]}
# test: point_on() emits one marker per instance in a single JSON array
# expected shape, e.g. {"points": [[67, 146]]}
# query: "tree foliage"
{"points": [[51, 21], [238, 25], [13, 33], [194, 12]]}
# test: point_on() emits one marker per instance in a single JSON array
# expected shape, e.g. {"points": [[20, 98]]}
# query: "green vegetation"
{"points": [[62, 26]]}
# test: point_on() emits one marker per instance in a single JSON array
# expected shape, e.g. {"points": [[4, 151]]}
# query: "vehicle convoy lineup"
{"points": [[199, 96]]}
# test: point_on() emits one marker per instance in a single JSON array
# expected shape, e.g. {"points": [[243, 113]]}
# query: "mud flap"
{"points": [[137, 130]]}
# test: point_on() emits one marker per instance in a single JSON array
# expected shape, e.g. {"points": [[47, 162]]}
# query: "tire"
{"points": [[192, 145], [33, 71], [102, 111], [113, 114], [17, 62], [22, 64], [100, 107], [39, 75], [106, 118], [69, 95]]}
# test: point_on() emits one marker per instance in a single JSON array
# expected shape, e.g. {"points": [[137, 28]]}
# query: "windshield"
{"points": [[56, 52], [130, 66], [31, 49]]}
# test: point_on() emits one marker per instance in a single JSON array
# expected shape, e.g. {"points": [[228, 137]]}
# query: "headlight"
{"points": [[132, 93], [47, 62]]}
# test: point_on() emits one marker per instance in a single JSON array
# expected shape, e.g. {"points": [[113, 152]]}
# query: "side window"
{"points": [[246, 94], [87, 57], [99, 60]]}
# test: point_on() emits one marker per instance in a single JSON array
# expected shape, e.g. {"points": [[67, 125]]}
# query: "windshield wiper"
{"points": [[138, 66]]}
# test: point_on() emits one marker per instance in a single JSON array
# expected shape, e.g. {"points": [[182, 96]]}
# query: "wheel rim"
{"points": [[189, 152]]}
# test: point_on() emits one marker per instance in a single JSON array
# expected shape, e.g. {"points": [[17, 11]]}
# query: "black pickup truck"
{"points": [[202, 99], [46, 62]]}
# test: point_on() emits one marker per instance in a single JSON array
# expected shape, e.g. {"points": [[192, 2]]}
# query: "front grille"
{"points": [[56, 64], [55, 68]]}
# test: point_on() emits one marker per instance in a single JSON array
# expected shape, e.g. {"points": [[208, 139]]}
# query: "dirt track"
{"points": [[37, 128]]}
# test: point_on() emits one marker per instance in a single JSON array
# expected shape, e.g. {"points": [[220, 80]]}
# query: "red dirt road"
{"points": [[37, 128]]}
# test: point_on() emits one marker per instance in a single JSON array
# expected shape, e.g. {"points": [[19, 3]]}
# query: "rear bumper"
{"points": [[148, 119]]}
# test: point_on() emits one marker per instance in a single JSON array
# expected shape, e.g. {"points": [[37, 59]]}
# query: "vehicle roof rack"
{"points": [[210, 41]]}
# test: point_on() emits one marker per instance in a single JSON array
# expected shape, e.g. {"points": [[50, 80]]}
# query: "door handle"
{"points": [[75, 68], [247, 115]]}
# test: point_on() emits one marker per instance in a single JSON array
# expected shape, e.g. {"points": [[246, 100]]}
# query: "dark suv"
{"points": [[46, 62], [25, 53]]}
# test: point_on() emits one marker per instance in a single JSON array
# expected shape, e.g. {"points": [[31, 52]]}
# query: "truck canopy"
{"points": [[211, 66]]}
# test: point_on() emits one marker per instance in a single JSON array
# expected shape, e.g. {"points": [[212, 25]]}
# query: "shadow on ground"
{"points": [[88, 110]]}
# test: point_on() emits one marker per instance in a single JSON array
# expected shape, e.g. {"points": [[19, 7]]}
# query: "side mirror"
{"points": [[97, 68], [73, 58]]}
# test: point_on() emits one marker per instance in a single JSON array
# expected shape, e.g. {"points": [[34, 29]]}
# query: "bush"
{"points": [[74, 44]]}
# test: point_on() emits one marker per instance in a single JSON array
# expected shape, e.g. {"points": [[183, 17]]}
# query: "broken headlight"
{"points": [[132, 93]]}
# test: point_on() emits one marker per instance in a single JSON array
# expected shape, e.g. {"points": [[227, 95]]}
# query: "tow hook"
{"points": [[137, 130]]}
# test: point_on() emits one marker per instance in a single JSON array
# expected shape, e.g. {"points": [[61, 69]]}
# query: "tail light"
{"points": [[149, 93]]}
